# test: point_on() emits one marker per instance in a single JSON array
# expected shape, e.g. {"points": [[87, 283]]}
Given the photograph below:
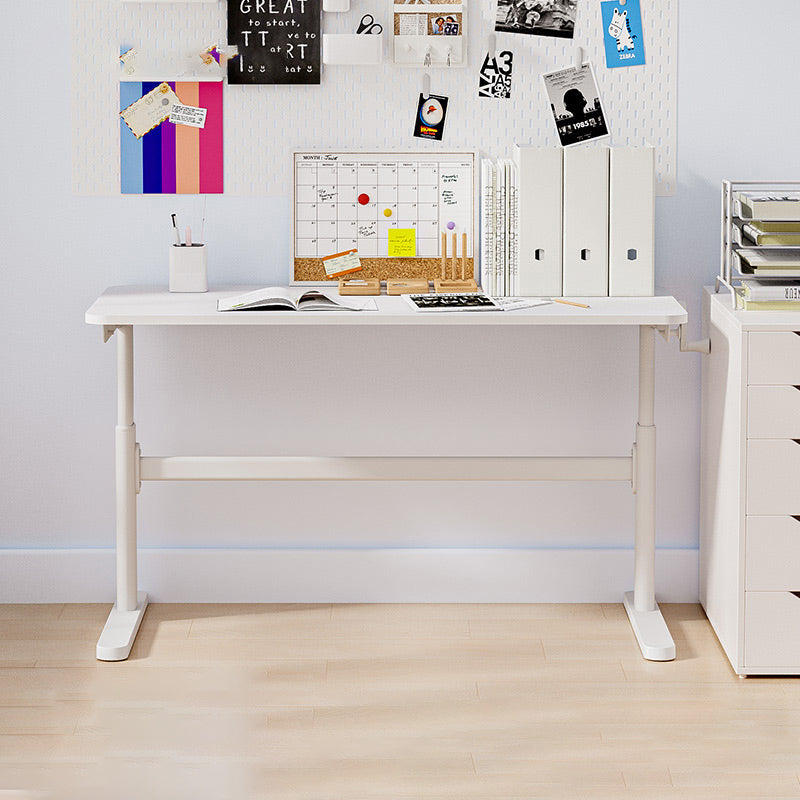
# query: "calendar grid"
{"points": [[347, 202]]}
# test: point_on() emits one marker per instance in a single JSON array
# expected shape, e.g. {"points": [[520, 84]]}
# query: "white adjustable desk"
{"points": [[121, 308]]}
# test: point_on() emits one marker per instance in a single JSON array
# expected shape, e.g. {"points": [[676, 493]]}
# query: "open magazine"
{"points": [[284, 298]]}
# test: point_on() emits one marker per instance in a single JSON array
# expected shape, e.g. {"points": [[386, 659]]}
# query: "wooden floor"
{"points": [[350, 702]]}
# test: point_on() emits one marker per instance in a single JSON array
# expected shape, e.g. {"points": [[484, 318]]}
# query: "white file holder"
{"points": [[540, 196], [336, 6], [352, 48], [586, 222], [631, 222]]}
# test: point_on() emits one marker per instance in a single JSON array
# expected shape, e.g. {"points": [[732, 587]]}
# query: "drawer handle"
{"points": [[796, 516], [796, 594]]}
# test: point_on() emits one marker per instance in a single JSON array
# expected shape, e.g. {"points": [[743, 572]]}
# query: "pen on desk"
{"points": [[569, 303], [177, 235], [188, 236]]}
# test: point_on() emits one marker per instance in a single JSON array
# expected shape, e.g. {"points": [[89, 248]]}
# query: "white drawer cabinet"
{"points": [[773, 412], [772, 554], [773, 357], [750, 485]]}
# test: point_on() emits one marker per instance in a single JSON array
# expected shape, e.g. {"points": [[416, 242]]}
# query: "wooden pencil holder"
{"points": [[407, 286], [363, 286], [447, 285], [455, 282]]}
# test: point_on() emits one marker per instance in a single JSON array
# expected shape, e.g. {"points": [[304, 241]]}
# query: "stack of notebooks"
{"points": [[765, 296], [768, 234], [499, 255]]}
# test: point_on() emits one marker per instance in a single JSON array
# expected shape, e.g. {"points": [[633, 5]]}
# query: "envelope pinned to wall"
{"points": [[150, 110]]}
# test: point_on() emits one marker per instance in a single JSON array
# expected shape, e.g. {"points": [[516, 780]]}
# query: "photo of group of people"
{"points": [[537, 17], [446, 26]]}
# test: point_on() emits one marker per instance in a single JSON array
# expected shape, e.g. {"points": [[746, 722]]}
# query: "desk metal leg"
{"points": [[125, 618], [648, 624]]}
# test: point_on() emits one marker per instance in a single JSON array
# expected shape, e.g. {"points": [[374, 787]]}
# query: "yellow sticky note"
{"points": [[402, 242]]}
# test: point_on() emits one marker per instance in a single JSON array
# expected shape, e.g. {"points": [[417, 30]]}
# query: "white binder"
{"points": [[586, 222], [539, 199], [631, 230]]}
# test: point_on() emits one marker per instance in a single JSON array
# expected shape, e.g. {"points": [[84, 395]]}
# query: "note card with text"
{"points": [[402, 242]]}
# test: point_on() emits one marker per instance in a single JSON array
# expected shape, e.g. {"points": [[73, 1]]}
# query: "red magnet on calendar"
{"points": [[363, 199]]}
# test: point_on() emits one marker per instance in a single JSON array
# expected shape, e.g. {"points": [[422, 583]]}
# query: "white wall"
{"points": [[293, 393]]}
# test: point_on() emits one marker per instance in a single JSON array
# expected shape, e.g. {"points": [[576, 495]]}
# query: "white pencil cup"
{"points": [[188, 269]]}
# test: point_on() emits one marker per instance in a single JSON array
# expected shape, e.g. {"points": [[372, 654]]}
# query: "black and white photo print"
{"points": [[537, 17], [575, 105]]}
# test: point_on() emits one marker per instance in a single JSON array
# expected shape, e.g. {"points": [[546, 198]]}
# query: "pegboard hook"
{"points": [[578, 57], [491, 47], [426, 86], [427, 60]]}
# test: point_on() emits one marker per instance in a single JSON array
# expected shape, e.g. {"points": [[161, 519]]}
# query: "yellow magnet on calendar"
{"points": [[387, 212]]}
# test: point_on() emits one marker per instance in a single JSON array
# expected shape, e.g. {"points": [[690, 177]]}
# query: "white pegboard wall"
{"points": [[367, 108]]}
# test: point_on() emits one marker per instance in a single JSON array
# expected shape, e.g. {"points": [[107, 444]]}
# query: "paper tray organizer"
{"points": [[731, 265]]}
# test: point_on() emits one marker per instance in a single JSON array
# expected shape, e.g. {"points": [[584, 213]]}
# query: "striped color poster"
{"points": [[173, 159]]}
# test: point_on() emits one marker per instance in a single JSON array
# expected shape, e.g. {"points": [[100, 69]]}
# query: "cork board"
{"points": [[345, 201]]}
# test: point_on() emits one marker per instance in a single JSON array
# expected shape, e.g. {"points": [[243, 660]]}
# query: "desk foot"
{"points": [[651, 632], [117, 638]]}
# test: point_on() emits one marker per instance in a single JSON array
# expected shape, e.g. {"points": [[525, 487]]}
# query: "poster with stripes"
{"points": [[171, 158]]}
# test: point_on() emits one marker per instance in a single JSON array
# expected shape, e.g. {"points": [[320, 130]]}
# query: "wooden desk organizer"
{"points": [[454, 283], [359, 286], [397, 286]]}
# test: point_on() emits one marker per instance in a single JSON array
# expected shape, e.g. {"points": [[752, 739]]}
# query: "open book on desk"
{"points": [[283, 298]]}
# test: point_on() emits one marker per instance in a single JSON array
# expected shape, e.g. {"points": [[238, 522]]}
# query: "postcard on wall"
{"points": [[431, 115], [537, 17], [278, 41], [495, 75], [622, 33], [575, 104]]}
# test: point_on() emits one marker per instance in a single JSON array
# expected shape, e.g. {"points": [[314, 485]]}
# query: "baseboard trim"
{"points": [[368, 575]]}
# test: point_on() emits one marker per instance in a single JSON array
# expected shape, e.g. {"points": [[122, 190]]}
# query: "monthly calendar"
{"points": [[348, 201]]}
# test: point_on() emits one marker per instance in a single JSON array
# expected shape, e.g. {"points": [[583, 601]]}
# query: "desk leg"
{"points": [[125, 618], [651, 631]]}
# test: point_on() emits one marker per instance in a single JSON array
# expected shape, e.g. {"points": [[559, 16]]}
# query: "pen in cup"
{"points": [[175, 227]]}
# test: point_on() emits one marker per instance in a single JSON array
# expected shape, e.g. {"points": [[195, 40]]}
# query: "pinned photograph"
{"points": [[575, 104], [537, 17], [431, 114]]}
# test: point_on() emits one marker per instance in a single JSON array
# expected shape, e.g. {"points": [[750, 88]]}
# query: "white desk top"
{"points": [[145, 305]]}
